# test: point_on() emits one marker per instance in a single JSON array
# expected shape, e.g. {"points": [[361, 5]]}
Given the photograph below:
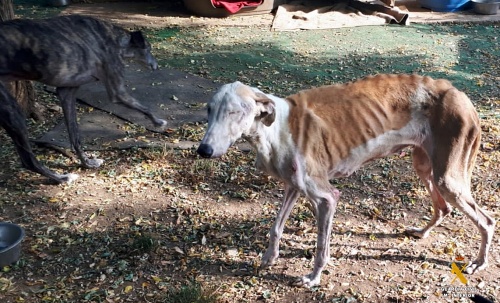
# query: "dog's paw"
{"points": [[416, 232], [475, 266], [307, 281], [160, 123], [269, 257], [93, 163], [69, 177]]}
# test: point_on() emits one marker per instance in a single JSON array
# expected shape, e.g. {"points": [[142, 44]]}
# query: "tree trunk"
{"points": [[23, 91], [6, 10]]}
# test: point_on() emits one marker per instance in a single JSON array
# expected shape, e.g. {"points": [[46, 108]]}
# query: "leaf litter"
{"points": [[155, 222]]}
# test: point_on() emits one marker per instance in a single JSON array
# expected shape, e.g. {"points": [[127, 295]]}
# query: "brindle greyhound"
{"points": [[328, 132], [67, 52]]}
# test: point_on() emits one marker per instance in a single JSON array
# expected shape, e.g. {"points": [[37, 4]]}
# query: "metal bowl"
{"points": [[11, 236], [486, 7], [58, 2]]}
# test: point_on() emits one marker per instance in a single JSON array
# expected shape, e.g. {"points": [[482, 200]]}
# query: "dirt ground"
{"points": [[151, 220]]}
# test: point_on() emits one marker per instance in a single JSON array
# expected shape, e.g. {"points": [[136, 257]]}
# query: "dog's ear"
{"points": [[266, 107], [137, 40]]}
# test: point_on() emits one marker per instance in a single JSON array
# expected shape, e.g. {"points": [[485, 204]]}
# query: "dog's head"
{"points": [[136, 46], [234, 111]]}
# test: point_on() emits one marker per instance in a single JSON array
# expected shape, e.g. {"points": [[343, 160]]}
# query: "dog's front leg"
{"points": [[272, 252], [117, 93], [67, 96], [325, 204]]}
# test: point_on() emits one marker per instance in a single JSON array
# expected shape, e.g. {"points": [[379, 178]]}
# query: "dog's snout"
{"points": [[153, 65], [205, 150], [150, 60]]}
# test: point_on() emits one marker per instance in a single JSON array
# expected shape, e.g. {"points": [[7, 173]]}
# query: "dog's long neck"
{"points": [[274, 143]]}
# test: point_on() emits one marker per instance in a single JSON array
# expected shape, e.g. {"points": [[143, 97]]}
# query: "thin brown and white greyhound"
{"points": [[322, 133]]}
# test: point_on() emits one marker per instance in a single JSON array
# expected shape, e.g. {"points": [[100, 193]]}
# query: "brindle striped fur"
{"points": [[67, 52], [13, 121]]}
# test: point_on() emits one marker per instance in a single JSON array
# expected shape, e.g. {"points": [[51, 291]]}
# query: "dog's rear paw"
{"points": [[475, 266], [69, 177], [307, 281], [416, 232]]}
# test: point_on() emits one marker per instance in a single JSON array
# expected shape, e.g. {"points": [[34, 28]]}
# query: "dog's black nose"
{"points": [[205, 150]]}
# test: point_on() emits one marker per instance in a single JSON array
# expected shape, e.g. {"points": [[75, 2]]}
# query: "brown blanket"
{"points": [[342, 13]]}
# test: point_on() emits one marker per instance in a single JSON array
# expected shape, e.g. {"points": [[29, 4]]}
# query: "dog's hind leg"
{"points": [[423, 168], [117, 93], [456, 139], [13, 121], [454, 187], [272, 252], [67, 96]]}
